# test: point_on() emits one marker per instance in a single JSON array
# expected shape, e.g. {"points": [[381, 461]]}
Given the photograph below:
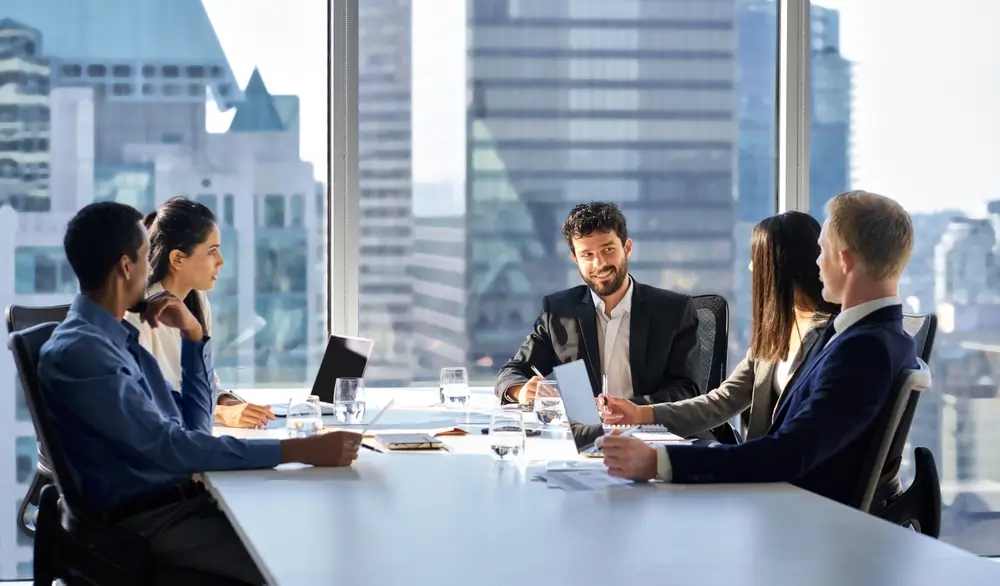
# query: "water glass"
{"points": [[548, 405], [507, 432], [349, 401], [303, 419], [454, 388]]}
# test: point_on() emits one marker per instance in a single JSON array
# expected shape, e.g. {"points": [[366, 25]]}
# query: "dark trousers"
{"points": [[195, 534]]}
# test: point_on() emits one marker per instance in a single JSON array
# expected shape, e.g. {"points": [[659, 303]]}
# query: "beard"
{"points": [[610, 285]]}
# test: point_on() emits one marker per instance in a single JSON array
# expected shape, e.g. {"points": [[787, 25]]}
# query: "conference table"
{"points": [[431, 519]]}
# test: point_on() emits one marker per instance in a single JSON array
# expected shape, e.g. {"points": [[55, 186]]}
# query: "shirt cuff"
{"points": [[197, 356], [664, 471], [264, 453]]}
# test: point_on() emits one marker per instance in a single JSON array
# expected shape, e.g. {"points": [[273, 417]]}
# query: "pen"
{"points": [[604, 391]]}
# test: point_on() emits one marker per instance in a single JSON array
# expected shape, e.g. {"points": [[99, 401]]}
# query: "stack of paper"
{"points": [[578, 476]]}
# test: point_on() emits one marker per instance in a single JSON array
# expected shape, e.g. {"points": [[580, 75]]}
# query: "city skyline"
{"points": [[886, 68]]}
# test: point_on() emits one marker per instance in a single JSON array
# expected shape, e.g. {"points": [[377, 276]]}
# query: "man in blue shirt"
{"points": [[132, 440]]}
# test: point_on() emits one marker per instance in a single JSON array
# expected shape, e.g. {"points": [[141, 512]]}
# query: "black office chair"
{"points": [[922, 327], [713, 336], [919, 506], [18, 318], [72, 543], [878, 484]]}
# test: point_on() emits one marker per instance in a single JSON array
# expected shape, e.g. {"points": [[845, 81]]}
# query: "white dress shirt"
{"points": [[164, 342], [844, 320], [613, 342]]}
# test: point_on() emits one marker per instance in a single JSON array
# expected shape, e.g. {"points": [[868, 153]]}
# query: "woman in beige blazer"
{"points": [[788, 315], [185, 259]]}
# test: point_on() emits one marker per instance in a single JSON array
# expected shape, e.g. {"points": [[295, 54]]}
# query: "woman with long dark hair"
{"points": [[788, 313], [185, 259]]}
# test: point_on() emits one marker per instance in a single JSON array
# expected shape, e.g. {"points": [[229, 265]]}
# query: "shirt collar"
{"points": [[853, 315], [95, 315], [623, 307]]}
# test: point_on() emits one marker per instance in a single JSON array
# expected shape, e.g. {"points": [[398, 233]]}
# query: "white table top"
{"points": [[423, 519], [403, 519]]}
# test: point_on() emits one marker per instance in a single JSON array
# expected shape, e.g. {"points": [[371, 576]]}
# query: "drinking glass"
{"points": [[507, 432], [454, 388], [549, 405], [349, 400], [303, 419]]}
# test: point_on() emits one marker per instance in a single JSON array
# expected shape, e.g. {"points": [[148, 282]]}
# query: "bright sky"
{"points": [[927, 87], [927, 99]]}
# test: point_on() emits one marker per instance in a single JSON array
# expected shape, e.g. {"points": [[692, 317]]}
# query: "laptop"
{"points": [[345, 357], [578, 400]]}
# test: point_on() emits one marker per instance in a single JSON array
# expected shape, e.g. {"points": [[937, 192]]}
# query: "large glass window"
{"points": [[225, 102], [512, 112], [917, 121]]}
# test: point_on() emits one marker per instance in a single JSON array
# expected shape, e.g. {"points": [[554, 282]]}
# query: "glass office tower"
{"points": [[626, 101]]}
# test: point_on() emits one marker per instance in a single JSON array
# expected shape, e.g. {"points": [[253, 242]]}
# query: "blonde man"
{"points": [[823, 424]]}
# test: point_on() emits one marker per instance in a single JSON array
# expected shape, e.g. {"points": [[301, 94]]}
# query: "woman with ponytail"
{"points": [[185, 259]]}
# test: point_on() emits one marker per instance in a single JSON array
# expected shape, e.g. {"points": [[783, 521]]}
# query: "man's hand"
{"points": [[163, 307], [628, 457], [246, 415], [621, 411], [336, 448], [525, 394]]}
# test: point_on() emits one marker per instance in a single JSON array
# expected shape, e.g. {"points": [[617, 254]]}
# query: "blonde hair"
{"points": [[875, 228]]}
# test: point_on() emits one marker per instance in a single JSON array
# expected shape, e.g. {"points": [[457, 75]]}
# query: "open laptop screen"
{"points": [[345, 357]]}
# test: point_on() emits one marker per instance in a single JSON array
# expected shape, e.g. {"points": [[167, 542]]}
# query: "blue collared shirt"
{"points": [[124, 430]]}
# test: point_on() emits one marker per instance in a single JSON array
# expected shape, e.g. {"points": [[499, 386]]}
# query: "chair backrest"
{"points": [[26, 346], [713, 336], [922, 327], [882, 462], [20, 317]]}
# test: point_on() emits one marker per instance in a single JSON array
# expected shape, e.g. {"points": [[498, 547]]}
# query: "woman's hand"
{"points": [[619, 411], [245, 415]]}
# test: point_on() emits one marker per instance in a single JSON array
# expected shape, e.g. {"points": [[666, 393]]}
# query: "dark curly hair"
{"points": [[594, 217]]}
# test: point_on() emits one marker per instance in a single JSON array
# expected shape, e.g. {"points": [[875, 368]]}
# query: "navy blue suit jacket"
{"points": [[822, 430]]}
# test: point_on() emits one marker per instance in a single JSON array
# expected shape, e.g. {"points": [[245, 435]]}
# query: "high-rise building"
{"points": [[103, 113], [384, 165], [570, 102]]}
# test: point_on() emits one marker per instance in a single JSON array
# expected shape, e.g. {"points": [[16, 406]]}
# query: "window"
{"points": [[151, 136], [870, 94], [274, 211], [467, 173]]}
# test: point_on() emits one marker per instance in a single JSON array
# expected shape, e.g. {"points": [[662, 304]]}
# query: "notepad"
{"points": [[407, 441]]}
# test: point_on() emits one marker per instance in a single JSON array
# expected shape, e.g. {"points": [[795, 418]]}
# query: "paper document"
{"points": [[584, 479]]}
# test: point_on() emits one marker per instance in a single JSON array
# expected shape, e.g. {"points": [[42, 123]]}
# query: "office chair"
{"points": [[879, 483], [18, 318], [72, 543], [919, 507], [713, 336]]}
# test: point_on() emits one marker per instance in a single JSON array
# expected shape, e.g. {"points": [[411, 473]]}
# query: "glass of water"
{"points": [[454, 388], [507, 432], [303, 419], [548, 404], [349, 401]]}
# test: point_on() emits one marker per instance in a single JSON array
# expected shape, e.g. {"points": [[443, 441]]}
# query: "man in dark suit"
{"points": [[644, 339], [823, 425]]}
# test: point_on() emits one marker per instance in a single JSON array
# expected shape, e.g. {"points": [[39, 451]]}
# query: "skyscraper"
{"points": [[384, 162], [579, 101]]}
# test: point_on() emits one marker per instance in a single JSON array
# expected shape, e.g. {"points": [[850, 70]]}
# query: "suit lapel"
{"points": [[760, 407], [586, 317], [638, 335], [805, 364]]}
